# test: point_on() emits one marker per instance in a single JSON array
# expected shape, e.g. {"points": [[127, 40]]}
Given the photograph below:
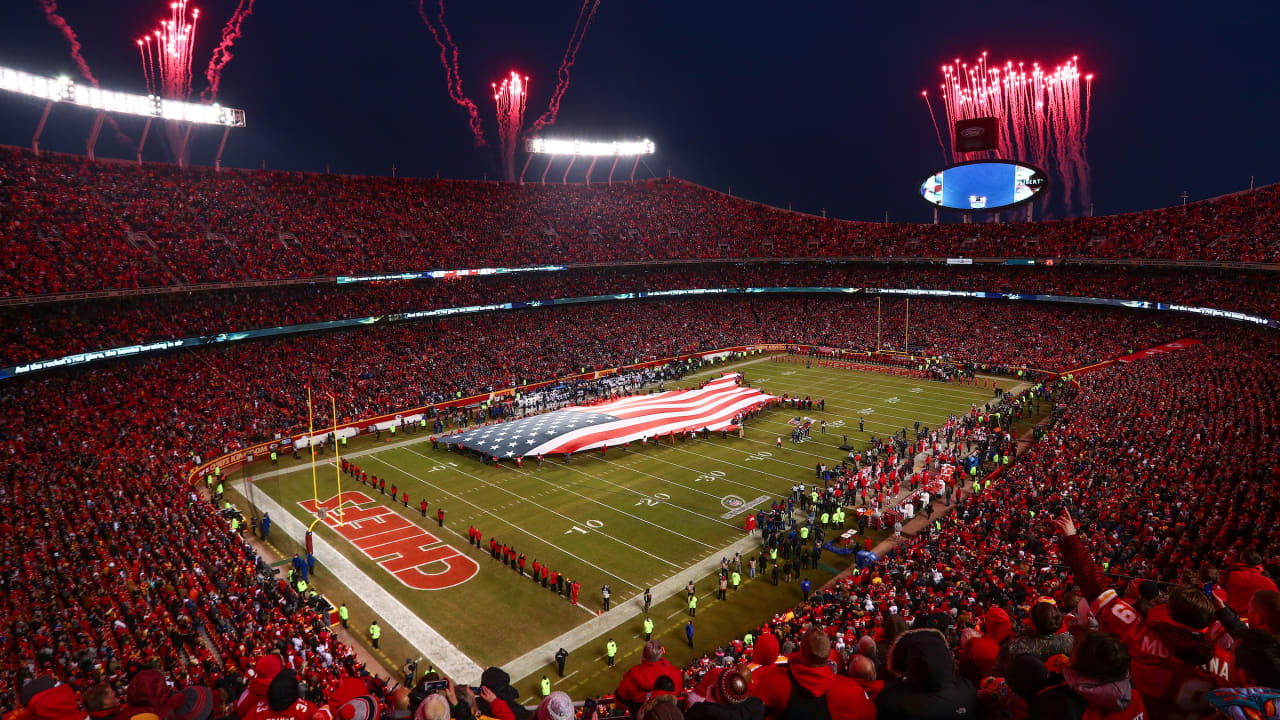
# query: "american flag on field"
{"points": [[713, 406]]}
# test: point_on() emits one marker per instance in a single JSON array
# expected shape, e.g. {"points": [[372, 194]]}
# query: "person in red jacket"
{"points": [[807, 686], [264, 671], [639, 680], [43, 698], [282, 701], [148, 693], [1169, 656], [978, 656], [1246, 579]]}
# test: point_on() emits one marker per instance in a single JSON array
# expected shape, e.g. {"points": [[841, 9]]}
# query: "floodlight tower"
{"points": [[63, 90], [594, 150]]}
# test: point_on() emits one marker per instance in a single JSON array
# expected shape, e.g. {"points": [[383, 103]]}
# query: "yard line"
{"points": [[638, 493], [735, 482], [544, 507], [744, 467], [881, 380], [610, 507], [794, 449], [387, 607], [506, 521]]}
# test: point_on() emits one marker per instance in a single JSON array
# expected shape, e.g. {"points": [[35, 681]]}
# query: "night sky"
{"points": [[813, 104]]}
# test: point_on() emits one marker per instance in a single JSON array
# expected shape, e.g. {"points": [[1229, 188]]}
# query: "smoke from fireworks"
{"points": [[51, 12], [510, 99], [449, 59], [50, 8], [222, 53], [1043, 116], [585, 15], [167, 53]]}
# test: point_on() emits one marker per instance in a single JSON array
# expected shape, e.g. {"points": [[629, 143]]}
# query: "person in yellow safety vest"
{"points": [[736, 579], [344, 614], [748, 639], [219, 490], [773, 555], [826, 519], [804, 532], [611, 649], [208, 481], [693, 606], [648, 629], [302, 586], [226, 505], [546, 686], [235, 525], [1006, 458], [217, 470], [275, 458], [393, 430], [375, 632]]}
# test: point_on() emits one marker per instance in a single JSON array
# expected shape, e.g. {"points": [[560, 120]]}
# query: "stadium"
{"points": [[597, 441]]}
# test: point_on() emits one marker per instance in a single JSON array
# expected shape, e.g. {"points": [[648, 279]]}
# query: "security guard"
{"points": [[611, 649], [344, 615], [375, 632], [546, 686], [693, 606], [648, 629]]}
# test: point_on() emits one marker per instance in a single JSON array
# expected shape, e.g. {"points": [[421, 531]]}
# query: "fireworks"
{"points": [[449, 59], [51, 12], [585, 15], [1043, 116], [510, 99], [167, 53], [222, 53]]}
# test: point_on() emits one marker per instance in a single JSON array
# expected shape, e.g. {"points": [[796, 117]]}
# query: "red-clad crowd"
{"points": [[46, 331], [1168, 464], [73, 224], [1124, 567]]}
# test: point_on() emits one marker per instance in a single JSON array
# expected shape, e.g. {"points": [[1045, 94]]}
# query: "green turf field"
{"points": [[630, 520]]}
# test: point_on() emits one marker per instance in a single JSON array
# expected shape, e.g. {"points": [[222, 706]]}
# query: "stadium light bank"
{"points": [[595, 150], [63, 90]]}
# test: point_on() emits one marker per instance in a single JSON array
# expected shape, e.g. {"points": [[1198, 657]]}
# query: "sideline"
{"points": [[390, 610]]}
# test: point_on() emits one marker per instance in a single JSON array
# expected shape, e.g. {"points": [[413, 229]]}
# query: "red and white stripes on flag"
{"points": [[712, 406]]}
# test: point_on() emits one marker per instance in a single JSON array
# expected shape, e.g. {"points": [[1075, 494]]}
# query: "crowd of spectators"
{"points": [[1109, 571], [1167, 467], [99, 580], [45, 331], [73, 224]]}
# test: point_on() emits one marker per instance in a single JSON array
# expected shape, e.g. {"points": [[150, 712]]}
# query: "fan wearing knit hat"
{"points": [[556, 706], [726, 697]]}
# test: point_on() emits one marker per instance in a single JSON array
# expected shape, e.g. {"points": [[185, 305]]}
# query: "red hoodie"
{"points": [[846, 699], [149, 694], [978, 658], [56, 703], [1242, 582], [640, 679], [264, 671]]}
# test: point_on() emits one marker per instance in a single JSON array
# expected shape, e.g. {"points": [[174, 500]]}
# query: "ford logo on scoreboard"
{"points": [[984, 185]]}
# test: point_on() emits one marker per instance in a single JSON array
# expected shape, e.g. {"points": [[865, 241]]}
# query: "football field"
{"points": [[644, 518]]}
